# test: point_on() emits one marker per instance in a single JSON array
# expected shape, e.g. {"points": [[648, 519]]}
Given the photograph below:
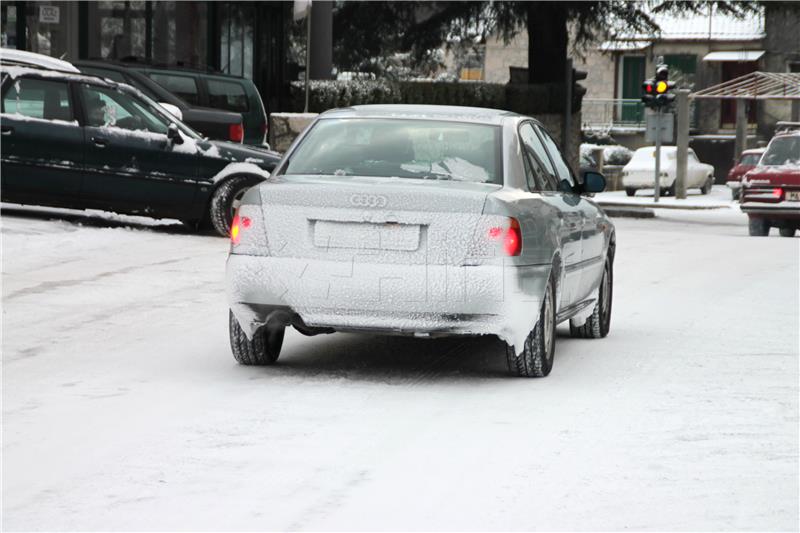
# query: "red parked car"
{"points": [[747, 162], [771, 191]]}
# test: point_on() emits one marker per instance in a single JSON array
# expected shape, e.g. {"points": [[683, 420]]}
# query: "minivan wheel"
{"points": [[758, 227], [630, 191], [787, 231], [536, 360], [225, 201], [263, 349], [599, 322]]}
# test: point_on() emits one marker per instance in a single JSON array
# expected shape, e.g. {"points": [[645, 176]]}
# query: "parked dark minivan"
{"points": [[78, 141], [213, 123], [216, 90]]}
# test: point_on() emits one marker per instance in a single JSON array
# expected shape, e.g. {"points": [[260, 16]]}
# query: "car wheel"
{"points": [[758, 227], [670, 191], [734, 194], [706, 188], [630, 191], [599, 323], [787, 231], [263, 349], [536, 360], [225, 201]]}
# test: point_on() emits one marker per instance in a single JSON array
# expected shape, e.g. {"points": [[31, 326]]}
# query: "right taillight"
{"points": [[777, 192], [236, 133], [510, 237]]}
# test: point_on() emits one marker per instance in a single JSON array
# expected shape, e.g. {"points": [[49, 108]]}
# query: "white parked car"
{"points": [[639, 173]]}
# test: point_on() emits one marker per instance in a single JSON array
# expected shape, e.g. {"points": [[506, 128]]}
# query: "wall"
{"points": [[782, 45], [499, 56]]}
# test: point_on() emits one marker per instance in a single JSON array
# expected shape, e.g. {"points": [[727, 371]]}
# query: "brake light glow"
{"points": [[512, 237], [235, 229], [777, 192], [236, 132]]}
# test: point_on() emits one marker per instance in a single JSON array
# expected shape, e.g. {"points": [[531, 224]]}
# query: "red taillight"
{"points": [[235, 229], [238, 224], [512, 237], [236, 132], [777, 192], [648, 87]]}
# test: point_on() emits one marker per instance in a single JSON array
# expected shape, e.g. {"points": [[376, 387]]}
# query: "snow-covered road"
{"points": [[123, 408]]}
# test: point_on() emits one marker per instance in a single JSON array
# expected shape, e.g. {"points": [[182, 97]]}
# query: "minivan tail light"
{"points": [[511, 237], [236, 133]]}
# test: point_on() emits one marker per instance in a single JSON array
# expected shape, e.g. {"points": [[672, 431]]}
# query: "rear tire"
{"points": [[536, 360], [630, 191], [758, 227], [599, 323], [264, 349], [787, 231], [706, 188], [225, 201]]}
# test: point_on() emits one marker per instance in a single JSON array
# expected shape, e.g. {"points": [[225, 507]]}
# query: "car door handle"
{"points": [[100, 141], [7, 130]]}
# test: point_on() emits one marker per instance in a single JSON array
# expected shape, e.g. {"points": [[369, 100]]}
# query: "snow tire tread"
{"points": [[220, 206], [257, 352], [533, 362]]}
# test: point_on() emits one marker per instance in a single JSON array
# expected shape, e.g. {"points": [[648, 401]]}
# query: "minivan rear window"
{"points": [[182, 86], [227, 95]]}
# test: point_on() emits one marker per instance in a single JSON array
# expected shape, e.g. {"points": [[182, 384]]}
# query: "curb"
{"points": [[628, 212], [606, 205]]}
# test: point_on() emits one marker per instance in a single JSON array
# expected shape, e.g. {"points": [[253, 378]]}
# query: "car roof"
{"points": [[15, 71], [480, 115], [9, 56]]}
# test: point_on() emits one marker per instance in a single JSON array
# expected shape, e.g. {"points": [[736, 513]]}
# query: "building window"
{"points": [[119, 30], [236, 38], [682, 68]]}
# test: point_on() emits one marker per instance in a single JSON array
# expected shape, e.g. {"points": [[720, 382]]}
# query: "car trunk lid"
{"points": [[369, 219]]}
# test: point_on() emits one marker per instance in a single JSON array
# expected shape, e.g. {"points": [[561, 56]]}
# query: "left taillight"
{"points": [[236, 133]]}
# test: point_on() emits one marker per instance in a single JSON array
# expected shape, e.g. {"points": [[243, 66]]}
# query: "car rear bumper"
{"points": [[782, 210], [498, 298]]}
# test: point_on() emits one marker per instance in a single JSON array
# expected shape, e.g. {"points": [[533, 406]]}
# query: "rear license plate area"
{"points": [[793, 196], [364, 235]]}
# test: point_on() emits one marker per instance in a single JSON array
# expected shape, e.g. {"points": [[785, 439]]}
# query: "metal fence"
{"points": [[607, 113]]}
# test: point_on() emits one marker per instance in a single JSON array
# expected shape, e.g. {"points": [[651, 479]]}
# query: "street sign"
{"points": [[662, 123]]}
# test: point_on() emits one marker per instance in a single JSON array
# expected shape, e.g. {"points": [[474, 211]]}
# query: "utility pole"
{"points": [[658, 155], [682, 143]]}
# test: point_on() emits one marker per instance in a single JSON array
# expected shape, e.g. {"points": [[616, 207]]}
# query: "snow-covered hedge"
{"points": [[525, 99], [614, 154]]}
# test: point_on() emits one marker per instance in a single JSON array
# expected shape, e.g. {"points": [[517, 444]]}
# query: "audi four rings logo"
{"points": [[368, 200]]}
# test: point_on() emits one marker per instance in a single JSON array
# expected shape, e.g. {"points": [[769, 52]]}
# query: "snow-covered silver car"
{"points": [[424, 221]]}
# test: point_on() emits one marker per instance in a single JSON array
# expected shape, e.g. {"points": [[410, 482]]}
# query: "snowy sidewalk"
{"points": [[718, 198]]}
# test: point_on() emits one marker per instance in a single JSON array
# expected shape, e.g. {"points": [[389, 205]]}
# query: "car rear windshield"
{"points": [[750, 159], [403, 148], [782, 151]]}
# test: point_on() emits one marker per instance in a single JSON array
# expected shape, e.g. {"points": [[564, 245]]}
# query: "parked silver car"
{"points": [[425, 221]]}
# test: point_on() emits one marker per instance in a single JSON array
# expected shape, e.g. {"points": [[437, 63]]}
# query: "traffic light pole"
{"points": [[658, 156]]}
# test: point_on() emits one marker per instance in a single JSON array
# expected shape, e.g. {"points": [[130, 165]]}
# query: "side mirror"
{"points": [[174, 135], [593, 182], [173, 110]]}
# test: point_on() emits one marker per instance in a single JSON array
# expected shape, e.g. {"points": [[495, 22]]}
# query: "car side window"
{"points": [[562, 169], [532, 142], [107, 107], [35, 98], [542, 170], [182, 86], [228, 95]]}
